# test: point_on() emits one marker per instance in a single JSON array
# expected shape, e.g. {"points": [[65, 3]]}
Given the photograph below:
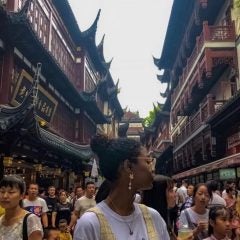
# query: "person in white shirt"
{"points": [[215, 200], [229, 184], [35, 204], [125, 163], [182, 193], [196, 217], [16, 219]]}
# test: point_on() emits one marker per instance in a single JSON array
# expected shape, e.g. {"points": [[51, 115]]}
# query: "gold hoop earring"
{"points": [[130, 181]]}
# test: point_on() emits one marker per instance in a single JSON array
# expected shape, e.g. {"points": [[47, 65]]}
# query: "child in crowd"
{"points": [[235, 225], [51, 234], [219, 227], [64, 234]]}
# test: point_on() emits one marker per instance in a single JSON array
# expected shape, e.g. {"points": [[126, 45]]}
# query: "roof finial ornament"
{"points": [[156, 61], [100, 45], [91, 31]]}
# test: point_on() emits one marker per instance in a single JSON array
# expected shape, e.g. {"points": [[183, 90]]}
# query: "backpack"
{"points": [[105, 229], [24, 228]]}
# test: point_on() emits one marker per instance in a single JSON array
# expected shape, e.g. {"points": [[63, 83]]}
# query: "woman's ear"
{"points": [[127, 165], [211, 222], [22, 196]]}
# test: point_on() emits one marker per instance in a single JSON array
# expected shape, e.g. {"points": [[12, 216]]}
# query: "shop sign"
{"points": [[227, 173], [238, 172], [45, 105], [233, 140]]}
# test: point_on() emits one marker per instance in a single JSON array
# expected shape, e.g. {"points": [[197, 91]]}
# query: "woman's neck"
{"points": [[13, 212], [121, 201], [199, 210], [218, 236]]}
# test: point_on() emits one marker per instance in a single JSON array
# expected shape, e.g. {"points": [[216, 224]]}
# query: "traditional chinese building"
{"points": [[131, 125], [76, 95], [156, 138], [199, 59]]}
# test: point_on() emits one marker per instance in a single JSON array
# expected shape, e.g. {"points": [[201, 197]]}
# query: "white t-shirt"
{"points": [[88, 226], [15, 231], [38, 206], [194, 218], [216, 200], [224, 193], [182, 192], [83, 204]]}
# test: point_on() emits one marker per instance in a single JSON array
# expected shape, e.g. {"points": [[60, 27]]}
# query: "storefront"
{"points": [[223, 169]]}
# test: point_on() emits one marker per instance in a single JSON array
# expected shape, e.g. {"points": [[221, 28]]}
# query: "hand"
{"points": [[202, 226], [68, 229]]}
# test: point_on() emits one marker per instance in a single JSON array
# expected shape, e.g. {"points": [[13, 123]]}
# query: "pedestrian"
{"points": [[63, 209], [230, 198], [196, 217], [51, 233], [235, 226], [162, 197], [16, 223], [219, 224], [51, 201], [78, 194], [35, 204], [182, 193], [216, 199], [189, 199], [84, 203], [125, 163], [63, 228]]}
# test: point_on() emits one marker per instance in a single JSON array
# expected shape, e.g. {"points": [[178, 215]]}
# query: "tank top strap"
{"points": [[105, 229], [151, 231]]}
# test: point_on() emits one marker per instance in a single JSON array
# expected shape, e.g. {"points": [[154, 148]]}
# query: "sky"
{"points": [[134, 32]]}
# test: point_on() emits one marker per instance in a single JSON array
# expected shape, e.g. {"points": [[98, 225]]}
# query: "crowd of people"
{"points": [[132, 203]]}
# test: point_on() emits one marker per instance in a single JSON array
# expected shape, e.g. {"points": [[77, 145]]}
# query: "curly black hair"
{"points": [[113, 152]]}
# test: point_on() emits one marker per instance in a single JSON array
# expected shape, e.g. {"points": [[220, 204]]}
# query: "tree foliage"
{"points": [[148, 121], [237, 3]]}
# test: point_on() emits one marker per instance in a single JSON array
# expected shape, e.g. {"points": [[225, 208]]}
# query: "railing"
{"points": [[51, 37], [209, 107], [209, 33]]}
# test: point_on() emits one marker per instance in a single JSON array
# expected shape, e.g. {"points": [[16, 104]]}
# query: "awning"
{"points": [[222, 163]]}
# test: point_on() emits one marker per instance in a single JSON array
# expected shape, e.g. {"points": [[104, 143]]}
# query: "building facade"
{"points": [[131, 125], [51, 127], [200, 63]]}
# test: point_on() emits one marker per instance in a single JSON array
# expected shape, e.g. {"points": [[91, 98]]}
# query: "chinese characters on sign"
{"points": [[45, 105]]}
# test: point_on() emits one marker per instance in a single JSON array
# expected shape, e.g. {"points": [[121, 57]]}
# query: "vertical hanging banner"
{"points": [[94, 171]]}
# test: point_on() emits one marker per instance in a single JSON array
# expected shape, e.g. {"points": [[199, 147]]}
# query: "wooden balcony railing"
{"points": [[45, 24], [209, 34], [209, 107]]}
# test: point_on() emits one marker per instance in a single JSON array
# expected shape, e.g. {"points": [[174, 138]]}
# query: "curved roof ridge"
{"points": [[91, 31]]}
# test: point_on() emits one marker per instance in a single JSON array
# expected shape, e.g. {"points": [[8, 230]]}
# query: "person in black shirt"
{"points": [[62, 210], [51, 201]]}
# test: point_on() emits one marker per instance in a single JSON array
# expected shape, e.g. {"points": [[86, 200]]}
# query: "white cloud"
{"points": [[135, 30]]}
